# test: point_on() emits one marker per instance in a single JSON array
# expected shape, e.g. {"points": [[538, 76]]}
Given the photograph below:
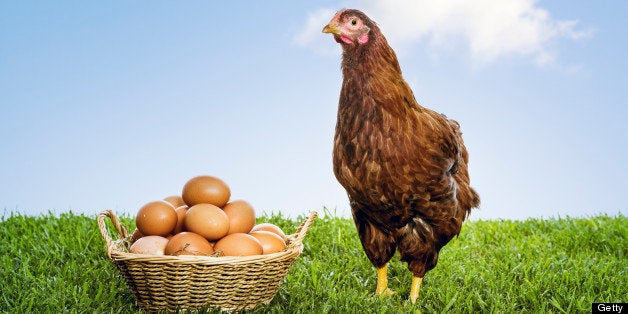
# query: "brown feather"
{"points": [[403, 166]]}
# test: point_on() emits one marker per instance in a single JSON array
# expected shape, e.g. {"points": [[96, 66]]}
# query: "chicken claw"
{"points": [[415, 288], [382, 289]]}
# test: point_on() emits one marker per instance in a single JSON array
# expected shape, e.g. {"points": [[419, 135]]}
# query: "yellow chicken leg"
{"points": [[382, 282], [415, 288]]}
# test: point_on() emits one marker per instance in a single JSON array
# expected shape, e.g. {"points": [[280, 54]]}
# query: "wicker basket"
{"points": [[192, 282]]}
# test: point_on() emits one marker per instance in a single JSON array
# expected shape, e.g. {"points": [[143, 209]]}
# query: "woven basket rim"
{"points": [[115, 252]]}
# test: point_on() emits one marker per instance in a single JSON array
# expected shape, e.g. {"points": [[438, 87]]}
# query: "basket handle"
{"points": [[105, 233], [304, 227]]}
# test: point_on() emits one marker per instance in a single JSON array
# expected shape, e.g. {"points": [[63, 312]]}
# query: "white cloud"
{"points": [[311, 34], [487, 30]]}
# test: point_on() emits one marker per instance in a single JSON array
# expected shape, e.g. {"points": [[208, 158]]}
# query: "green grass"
{"points": [[58, 263]]}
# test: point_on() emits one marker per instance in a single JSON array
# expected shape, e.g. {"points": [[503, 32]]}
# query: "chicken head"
{"points": [[348, 28]]}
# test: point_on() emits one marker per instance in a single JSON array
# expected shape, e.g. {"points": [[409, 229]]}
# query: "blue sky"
{"points": [[110, 107]]}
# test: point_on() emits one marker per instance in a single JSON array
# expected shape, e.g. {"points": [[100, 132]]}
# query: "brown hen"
{"points": [[404, 166]]}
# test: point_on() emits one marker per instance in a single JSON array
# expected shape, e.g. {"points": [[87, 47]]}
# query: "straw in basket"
{"points": [[192, 282]]}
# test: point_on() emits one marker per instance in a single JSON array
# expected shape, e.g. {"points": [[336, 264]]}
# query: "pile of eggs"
{"points": [[202, 221]]}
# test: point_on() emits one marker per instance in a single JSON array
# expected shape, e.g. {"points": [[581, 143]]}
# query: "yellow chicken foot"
{"points": [[382, 282], [415, 288]]}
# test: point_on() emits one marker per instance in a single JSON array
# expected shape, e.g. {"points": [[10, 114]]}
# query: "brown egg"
{"points": [[188, 243], [271, 242], [156, 218], [175, 200], [136, 235], [207, 220], [241, 216], [270, 227], [154, 245], [206, 189], [238, 244], [181, 211]]}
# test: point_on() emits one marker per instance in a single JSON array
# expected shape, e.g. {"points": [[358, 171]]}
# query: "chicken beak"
{"points": [[332, 28]]}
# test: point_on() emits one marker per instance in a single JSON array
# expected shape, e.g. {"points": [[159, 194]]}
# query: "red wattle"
{"points": [[346, 39]]}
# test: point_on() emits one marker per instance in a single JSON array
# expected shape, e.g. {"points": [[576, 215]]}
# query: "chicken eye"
{"points": [[354, 22]]}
